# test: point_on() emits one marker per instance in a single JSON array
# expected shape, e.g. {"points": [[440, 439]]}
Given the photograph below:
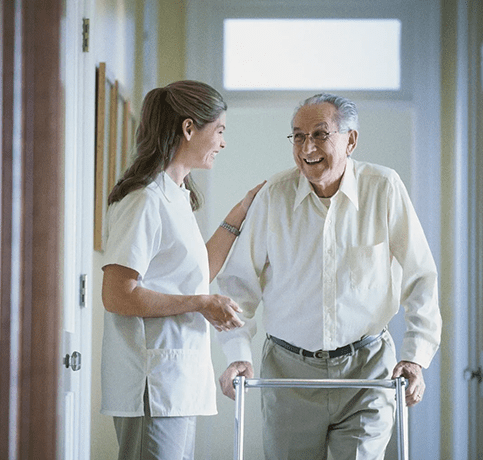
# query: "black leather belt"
{"points": [[326, 354]]}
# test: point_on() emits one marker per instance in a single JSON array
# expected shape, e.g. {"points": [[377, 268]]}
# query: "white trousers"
{"points": [[304, 424], [155, 438]]}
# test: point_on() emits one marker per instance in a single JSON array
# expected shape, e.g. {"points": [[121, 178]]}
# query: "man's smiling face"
{"points": [[322, 162]]}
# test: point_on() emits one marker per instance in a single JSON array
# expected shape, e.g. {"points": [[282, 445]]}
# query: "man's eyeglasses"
{"points": [[317, 136]]}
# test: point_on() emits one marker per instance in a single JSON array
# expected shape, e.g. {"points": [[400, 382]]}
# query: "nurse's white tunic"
{"points": [[154, 231]]}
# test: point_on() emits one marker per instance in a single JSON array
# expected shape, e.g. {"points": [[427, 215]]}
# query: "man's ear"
{"points": [[352, 143], [188, 128]]}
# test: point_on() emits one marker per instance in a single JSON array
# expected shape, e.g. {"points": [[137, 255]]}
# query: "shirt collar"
{"points": [[304, 189], [348, 186], [169, 188]]}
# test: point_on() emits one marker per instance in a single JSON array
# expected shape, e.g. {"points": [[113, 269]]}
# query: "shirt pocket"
{"points": [[369, 266]]}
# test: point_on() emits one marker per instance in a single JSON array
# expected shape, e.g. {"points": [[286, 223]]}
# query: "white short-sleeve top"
{"points": [[153, 231]]}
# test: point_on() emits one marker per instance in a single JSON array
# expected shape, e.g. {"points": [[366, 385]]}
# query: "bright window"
{"points": [[302, 54]]}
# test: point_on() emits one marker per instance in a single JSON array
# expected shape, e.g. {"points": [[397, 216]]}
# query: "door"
{"points": [[474, 372], [478, 390], [79, 78]]}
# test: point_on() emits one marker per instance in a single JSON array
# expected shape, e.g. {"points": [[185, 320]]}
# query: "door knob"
{"points": [[73, 361]]}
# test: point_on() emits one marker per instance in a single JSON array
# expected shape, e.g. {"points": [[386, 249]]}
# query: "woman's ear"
{"points": [[188, 127], [352, 142]]}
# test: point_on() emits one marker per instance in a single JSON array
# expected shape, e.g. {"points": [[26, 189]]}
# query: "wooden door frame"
{"points": [[31, 221]]}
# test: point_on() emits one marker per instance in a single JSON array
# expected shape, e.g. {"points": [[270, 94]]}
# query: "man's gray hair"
{"points": [[347, 117]]}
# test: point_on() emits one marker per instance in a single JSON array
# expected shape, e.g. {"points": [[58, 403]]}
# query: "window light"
{"points": [[301, 54]]}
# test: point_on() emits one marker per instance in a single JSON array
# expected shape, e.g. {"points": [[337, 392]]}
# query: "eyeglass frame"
{"points": [[290, 137]]}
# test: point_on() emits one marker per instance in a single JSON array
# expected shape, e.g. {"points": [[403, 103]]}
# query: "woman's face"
{"points": [[205, 143]]}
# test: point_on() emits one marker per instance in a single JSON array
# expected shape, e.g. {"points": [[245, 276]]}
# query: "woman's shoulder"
{"points": [[136, 202]]}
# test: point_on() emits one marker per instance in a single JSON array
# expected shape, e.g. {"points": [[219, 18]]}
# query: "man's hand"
{"points": [[235, 369], [413, 373]]}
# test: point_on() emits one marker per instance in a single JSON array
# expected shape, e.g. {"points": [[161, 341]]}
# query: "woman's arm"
{"points": [[220, 243], [122, 295]]}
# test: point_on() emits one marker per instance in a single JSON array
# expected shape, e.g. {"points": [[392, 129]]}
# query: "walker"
{"points": [[242, 384]]}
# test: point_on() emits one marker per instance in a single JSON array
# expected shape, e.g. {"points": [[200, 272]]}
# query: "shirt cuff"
{"points": [[237, 349], [418, 351]]}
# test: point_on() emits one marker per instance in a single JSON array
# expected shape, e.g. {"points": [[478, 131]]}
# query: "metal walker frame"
{"points": [[242, 384]]}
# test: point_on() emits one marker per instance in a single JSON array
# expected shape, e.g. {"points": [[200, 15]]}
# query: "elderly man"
{"points": [[332, 247]]}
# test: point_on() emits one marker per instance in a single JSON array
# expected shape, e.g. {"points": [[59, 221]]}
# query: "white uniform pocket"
{"points": [[180, 383]]}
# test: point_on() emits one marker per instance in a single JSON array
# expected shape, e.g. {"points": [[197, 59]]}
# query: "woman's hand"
{"points": [[237, 215], [251, 194], [220, 311]]}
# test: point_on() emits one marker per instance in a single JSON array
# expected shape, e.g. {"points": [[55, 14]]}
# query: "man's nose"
{"points": [[309, 144]]}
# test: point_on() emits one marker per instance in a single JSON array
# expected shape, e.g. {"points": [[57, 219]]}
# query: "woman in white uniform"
{"points": [[157, 374]]}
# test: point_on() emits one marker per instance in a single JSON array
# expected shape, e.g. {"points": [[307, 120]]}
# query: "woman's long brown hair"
{"points": [[160, 131]]}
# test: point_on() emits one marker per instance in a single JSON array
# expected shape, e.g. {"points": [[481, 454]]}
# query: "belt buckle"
{"points": [[321, 354]]}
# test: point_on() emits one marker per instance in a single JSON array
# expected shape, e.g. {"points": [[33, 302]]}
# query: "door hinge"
{"points": [[85, 35], [470, 374], [83, 291]]}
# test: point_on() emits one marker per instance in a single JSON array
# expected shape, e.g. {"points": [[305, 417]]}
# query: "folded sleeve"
{"points": [[134, 231]]}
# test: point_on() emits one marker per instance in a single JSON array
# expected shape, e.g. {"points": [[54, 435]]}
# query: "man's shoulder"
{"points": [[283, 179], [279, 190], [365, 170]]}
